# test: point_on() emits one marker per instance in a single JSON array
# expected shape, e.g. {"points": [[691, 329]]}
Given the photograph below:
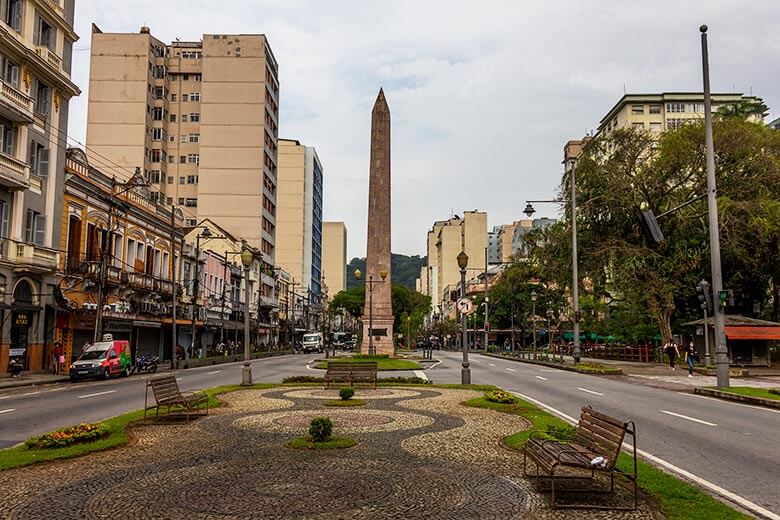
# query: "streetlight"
{"points": [[370, 284], [465, 373], [247, 257], [575, 290], [534, 296]]}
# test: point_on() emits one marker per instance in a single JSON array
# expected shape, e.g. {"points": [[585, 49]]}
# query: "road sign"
{"points": [[465, 306]]}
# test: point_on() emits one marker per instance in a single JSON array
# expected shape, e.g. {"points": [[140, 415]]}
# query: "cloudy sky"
{"points": [[483, 95]]}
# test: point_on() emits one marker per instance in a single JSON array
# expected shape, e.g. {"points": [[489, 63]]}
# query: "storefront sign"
{"points": [[118, 326], [13, 352], [147, 324], [22, 319]]}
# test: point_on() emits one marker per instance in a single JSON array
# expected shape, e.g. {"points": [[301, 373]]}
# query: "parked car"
{"points": [[103, 360]]}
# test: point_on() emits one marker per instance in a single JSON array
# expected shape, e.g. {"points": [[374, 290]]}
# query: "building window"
{"points": [[155, 197], [196, 78], [195, 96], [194, 138], [674, 123], [170, 179], [5, 215], [34, 228], [656, 127], [182, 159], [158, 113], [42, 98], [696, 108], [13, 14], [191, 55], [156, 155], [45, 34], [9, 71], [192, 179], [171, 158], [638, 126], [638, 109], [184, 118], [7, 138], [184, 98], [655, 109], [193, 158], [675, 107], [191, 203], [181, 201], [194, 117], [169, 201], [39, 159], [181, 180], [173, 98], [173, 118], [157, 134], [172, 138], [159, 93], [185, 77], [159, 72], [191, 222], [154, 176]]}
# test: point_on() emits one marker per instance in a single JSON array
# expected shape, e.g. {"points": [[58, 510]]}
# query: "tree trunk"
{"points": [[662, 312], [775, 300]]}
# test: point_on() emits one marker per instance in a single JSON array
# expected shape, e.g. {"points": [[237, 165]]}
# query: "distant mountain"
{"points": [[404, 270]]}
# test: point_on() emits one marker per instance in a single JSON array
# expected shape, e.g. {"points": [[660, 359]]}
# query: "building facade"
{"points": [[334, 256], [299, 214], [494, 245], [36, 42]]}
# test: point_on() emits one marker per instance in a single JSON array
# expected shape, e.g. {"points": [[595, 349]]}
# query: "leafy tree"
{"points": [[406, 302], [404, 270]]}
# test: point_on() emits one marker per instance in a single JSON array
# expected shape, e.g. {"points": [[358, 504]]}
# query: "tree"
{"points": [[406, 302]]}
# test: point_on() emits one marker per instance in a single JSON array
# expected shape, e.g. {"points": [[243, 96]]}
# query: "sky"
{"points": [[483, 95]]}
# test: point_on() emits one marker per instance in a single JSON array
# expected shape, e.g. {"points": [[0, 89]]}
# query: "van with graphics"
{"points": [[102, 360]]}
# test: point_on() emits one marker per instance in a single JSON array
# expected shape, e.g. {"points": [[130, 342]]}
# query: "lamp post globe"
{"points": [[357, 274]]}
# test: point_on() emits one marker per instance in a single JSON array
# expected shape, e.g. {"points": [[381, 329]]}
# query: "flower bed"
{"points": [[84, 432]]}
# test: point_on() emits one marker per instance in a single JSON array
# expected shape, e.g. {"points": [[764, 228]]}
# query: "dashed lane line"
{"points": [[213, 372], [96, 394], [542, 378], [511, 369], [491, 364], [754, 407], [681, 416], [588, 391], [33, 393], [725, 493], [8, 410]]}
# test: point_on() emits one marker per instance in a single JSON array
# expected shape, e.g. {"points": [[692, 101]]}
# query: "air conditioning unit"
{"points": [[89, 306]]}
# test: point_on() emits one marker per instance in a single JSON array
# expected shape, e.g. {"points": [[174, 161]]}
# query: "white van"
{"points": [[312, 342]]}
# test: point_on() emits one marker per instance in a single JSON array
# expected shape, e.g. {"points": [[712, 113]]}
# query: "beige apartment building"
{"points": [[36, 42], [334, 256], [299, 239], [445, 240], [665, 111], [201, 121]]}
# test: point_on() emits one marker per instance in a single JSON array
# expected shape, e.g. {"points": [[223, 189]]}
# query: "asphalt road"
{"points": [[732, 446]]}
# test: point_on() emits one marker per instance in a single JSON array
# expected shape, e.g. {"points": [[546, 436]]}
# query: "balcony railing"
{"points": [[14, 174], [29, 255], [49, 55], [16, 106]]}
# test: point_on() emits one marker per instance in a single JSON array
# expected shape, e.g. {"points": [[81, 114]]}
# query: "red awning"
{"points": [[745, 332]]}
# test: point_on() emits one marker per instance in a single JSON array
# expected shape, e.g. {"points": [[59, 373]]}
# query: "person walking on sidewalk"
{"points": [[691, 357], [672, 351], [56, 355]]}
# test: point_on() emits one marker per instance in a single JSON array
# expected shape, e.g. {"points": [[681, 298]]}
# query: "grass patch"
{"points": [[764, 393], [382, 362], [333, 443], [596, 368], [676, 498], [23, 456], [345, 402]]}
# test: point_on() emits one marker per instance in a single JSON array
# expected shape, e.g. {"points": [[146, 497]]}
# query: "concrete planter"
{"points": [[733, 372], [760, 401], [606, 371]]}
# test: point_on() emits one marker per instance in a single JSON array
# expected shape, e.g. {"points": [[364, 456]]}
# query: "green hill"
{"points": [[404, 271]]}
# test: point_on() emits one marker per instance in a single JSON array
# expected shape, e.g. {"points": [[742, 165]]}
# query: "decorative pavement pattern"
{"points": [[421, 454]]}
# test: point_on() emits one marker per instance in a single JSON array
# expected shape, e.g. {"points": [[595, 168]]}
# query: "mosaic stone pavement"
{"points": [[420, 455]]}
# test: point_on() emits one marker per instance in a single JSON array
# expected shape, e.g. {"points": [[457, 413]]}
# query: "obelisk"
{"points": [[378, 309]]}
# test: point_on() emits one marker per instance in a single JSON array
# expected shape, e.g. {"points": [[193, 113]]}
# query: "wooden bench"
{"points": [[166, 393], [340, 372], [597, 435]]}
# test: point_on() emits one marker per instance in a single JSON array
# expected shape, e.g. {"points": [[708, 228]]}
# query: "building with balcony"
{"points": [[36, 40], [201, 120], [112, 236]]}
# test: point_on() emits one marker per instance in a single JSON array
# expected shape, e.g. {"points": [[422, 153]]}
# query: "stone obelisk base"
{"points": [[383, 343]]}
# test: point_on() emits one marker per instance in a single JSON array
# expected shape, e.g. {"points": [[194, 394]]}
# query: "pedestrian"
{"points": [[506, 344], [691, 357], [57, 358], [15, 367], [672, 351]]}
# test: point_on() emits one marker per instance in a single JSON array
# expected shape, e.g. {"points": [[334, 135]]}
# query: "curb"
{"points": [[728, 396], [22, 382], [610, 372]]}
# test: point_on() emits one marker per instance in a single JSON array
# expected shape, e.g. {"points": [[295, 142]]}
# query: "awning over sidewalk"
{"points": [[761, 333]]}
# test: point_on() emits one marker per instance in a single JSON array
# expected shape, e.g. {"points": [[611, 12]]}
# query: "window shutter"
{"points": [[28, 230], [40, 228], [33, 148], [4, 215], [43, 162], [37, 33], [13, 75], [15, 16], [9, 141]]}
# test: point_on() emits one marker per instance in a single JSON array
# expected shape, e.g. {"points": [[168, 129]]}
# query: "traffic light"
{"points": [[726, 297], [705, 296]]}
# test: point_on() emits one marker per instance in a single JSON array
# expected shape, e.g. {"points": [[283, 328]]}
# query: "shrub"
{"points": [[405, 380], [84, 432], [563, 432], [590, 364], [303, 379], [320, 429], [775, 391], [346, 392], [500, 396]]}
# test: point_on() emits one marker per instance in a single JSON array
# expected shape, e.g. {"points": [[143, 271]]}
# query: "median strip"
{"points": [[96, 394], [681, 416]]}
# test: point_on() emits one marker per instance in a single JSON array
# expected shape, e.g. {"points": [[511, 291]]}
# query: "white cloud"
{"points": [[483, 95]]}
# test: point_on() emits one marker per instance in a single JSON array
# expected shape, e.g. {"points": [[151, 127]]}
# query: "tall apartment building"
{"points": [[299, 214], [334, 256], [521, 227], [201, 121], [504, 242], [36, 41], [494, 245], [445, 240], [667, 110]]}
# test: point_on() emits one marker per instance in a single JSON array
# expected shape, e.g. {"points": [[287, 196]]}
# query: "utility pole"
{"points": [[721, 349]]}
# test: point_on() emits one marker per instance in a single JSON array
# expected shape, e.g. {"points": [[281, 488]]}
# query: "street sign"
{"points": [[465, 306]]}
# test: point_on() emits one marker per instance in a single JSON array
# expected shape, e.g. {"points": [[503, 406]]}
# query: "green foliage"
{"points": [[346, 392], [320, 429], [500, 396], [348, 403], [406, 303], [333, 443], [749, 391], [84, 432], [302, 379], [404, 270], [351, 300], [406, 380]]}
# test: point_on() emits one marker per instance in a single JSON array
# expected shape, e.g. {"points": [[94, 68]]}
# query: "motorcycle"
{"points": [[145, 364]]}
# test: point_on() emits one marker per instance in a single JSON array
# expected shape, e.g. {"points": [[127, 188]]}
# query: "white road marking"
{"points": [[420, 374], [5, 396], [98, 393], [33, 393], [589, 391], [308, 367], [552, 370], [179, 378], [491, 364], [434, 365], [744, 502], [754, 407], [477, 361], [542, 378], [681, 416], [9, 410], [213, 372], [511, 369]]}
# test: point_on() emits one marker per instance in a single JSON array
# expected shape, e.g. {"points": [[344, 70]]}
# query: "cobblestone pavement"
{"points": [[419, 456]]}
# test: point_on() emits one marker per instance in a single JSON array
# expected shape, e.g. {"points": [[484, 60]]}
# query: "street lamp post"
{"points": [[246, 258], [370, 284], [534, 296], [465, 373]]}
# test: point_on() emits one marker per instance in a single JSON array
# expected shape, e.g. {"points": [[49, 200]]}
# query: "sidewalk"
{"points": [[31, 379]]}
